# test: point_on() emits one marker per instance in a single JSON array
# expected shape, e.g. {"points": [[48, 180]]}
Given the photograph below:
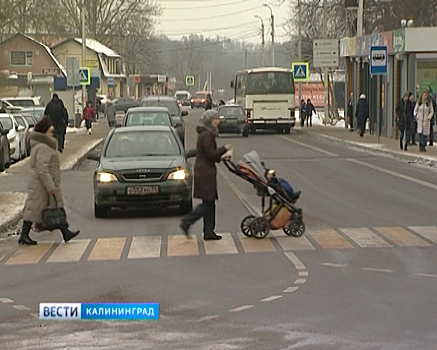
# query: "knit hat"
{"points": [[207, 118], [43, 125], [363, 96]]}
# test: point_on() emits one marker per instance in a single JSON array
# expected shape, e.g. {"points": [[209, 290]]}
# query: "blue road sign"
{"points": [[111, 82], [378, 60], [301, 71], [84, 76]]}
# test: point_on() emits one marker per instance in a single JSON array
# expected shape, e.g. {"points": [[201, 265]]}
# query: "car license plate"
{"points": [[142, 190]]}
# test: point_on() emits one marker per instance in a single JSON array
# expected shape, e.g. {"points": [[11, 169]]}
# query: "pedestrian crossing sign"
{"points": [[84, 76], [189, 80], [301, 71]]}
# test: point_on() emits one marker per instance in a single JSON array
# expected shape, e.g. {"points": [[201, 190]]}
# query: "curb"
{"points": [[10, 224], [411, 158]]}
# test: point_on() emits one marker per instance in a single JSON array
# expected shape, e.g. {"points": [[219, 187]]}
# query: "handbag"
{"points": [[54, 218]]}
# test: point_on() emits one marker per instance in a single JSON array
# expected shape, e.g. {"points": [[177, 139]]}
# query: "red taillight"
{"points": [[248, 114], [245, 120]]}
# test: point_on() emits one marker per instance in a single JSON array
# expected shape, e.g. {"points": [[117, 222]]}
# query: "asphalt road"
{"points": [[363, 276]]}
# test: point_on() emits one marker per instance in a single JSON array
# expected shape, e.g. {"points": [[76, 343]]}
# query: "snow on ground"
{"points": [[76, 130], [11, 205], [71, 161]]}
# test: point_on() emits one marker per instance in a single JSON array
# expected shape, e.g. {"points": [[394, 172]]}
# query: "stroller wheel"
{"points": [[295, 229], [245, 225], [260, 228]]}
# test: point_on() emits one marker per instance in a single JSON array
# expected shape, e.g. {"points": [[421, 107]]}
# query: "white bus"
{"points": [[267, 94]]}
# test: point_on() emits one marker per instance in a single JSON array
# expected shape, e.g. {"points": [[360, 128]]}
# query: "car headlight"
{"points": [[178, 175], [106, 177]]}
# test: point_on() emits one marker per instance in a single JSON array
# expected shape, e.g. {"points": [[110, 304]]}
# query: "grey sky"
{"points": [[233, 18]]}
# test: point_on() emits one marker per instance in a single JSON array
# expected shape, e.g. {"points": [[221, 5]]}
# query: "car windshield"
{"points": [[264, 83], [200, 96], [37, 113], [225, 111], [142, 144], [22, 103], [148, 118], [181, 96], [30, 121], [6, 122], [171, 105], [20, 121]]}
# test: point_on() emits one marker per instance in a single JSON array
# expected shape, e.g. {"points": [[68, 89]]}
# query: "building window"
{"points": [[21, 58]]}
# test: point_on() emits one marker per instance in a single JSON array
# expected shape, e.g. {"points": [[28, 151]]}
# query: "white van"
{"points": [[21, 101]]}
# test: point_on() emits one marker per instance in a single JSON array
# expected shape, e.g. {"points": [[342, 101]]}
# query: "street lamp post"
{"points": [[262, 40], [272, 18], [83, 52], [299, 49]]}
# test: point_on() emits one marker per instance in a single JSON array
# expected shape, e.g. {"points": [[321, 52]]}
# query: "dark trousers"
{"points": [[88, 124], [60, 136], [205, 210], [310, 119], [362, 126], [406, 133]]}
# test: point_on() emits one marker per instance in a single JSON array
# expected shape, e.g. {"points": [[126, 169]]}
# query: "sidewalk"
{"points": [[369, 142], [77, 144]]}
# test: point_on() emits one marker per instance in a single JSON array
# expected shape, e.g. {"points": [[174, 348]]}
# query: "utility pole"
{"points": [[325, 30], [272, 19], [262, 40], [300, 51], [245, 59], [83, 52]]}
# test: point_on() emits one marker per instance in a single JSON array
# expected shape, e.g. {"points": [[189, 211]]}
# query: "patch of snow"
{"points": [[12, 203], [76, 130], [74, 159]]}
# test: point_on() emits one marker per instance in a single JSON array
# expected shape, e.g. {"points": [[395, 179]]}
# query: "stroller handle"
{"points": [[233, 168]]}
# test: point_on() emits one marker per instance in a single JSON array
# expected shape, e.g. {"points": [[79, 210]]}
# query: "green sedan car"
{"points": [[142, 167]]}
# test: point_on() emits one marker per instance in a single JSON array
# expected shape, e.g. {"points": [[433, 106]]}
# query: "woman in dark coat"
{"points": [[404, 111], [205, 175], [362, 114]]}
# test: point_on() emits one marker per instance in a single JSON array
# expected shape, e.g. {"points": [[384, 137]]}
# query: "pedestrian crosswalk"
{"points": [[174, 246]]}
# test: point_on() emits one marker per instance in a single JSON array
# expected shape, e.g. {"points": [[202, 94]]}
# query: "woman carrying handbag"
{"points": [[44, 186]]}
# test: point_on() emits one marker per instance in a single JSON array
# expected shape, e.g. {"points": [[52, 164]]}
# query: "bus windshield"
{"points": [[264, 83]]}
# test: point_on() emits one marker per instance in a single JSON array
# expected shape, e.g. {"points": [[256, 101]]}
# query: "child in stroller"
{"points": [[281, 185]]}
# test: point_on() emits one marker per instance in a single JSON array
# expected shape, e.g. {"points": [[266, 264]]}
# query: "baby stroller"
{"points": [[281, 212]]}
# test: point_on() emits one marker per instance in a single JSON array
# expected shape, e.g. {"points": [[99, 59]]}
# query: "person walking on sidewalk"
{"points": [[424, 113], [110, 113], [413, 129], [362, 114], [350, 112], [88, 115], [404, 111], [205, 176], [434, 106], [57, 113], [309, 112], [45, 181], [302, 112]]}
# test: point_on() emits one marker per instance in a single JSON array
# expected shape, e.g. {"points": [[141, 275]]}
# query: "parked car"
{"points": [[36, 112], [23, 122], [21, 101], [173, 107], [122, 104], [15, 135], [142, 167], [233, 120], [5, 150], [199, 99]]}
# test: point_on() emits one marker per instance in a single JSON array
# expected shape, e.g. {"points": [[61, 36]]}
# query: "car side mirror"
{"points": [[117, 125], [191, 153], [93, 156], [177, 124], [184, 113], [21, 128]]}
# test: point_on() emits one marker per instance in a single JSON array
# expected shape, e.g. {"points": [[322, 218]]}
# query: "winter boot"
{"points": [[67, 234], [24, 237]]}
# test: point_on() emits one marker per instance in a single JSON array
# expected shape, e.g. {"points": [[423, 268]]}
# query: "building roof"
{"points": [[98, 47], [45, 47]]}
